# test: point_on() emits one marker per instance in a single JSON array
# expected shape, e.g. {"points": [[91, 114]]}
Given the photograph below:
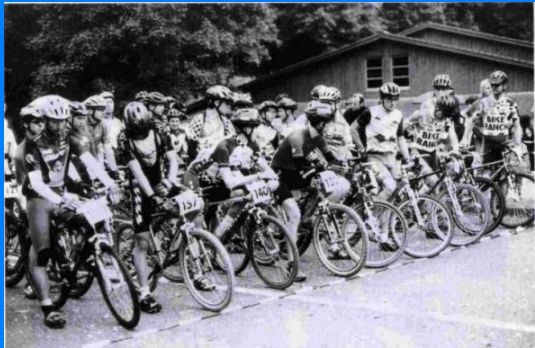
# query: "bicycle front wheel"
{"points": [[472, 216], [211, 286], [429, 236], [117, 287], [273, 253], [387, 233], [14, 265], [519, 199], [340, 241], [496, 199]]}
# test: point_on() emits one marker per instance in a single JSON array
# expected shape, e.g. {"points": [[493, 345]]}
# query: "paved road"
{"points": [[481, 296]]}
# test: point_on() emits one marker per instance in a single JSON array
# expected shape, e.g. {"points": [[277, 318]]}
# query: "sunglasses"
{"points": [[494, 85], [37, 121]]}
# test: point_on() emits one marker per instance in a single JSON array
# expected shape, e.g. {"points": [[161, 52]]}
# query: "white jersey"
{"points": [[338, 137], [388, 126]]}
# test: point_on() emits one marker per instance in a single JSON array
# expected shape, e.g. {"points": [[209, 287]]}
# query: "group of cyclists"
{"points": [[71, 145]]}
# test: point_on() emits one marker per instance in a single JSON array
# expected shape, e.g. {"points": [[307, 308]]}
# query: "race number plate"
{"points": [[260, 192], [96, 210], [188, 202], [11, 191], [329, 181]]}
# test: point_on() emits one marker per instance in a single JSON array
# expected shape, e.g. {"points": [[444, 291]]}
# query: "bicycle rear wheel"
{"points": [[197, 260], [84, 280], [434, 234], [496, 198], [519, 200], [341, 229], [14, 263], [473, 217], [273, 254], [117, 287], [387, 233]]}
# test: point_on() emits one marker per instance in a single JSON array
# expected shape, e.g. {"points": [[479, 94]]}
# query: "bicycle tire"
{"points": [[467, 232], [304, 236], [263, 244], [515, 216], [236, 245], [352, 241], [15, 273], [496, 199], [164, 230], [377, 255], [107, 263], [435, 236], [209, 249]]}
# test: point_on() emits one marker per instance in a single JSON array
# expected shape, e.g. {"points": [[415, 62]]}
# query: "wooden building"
{"points": [[411, 59]]}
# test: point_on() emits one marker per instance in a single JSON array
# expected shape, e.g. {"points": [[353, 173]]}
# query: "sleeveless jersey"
{"points": [[386, 124]]}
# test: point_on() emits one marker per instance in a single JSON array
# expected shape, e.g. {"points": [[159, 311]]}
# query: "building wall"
{"points": [[476, 44], [348, 71]]}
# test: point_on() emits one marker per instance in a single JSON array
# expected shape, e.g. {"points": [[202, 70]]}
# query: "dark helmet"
{"points": [[246, 118], [78, 109], [137, 119], [266, 105], [314, 93], [175, 113], [140, 96], [498, 77], [446, 103]]}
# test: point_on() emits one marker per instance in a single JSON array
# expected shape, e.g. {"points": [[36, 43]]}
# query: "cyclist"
{"points": [[101, 133], [265, 135], [10, 146], [241, 101], [495, 120], [206, 130], [47, 158], [147, 150], [114, 123], [287, 121], [336, 132], [294, 156], [384, 137], [356, 109], [430, 131], [156, 104]]}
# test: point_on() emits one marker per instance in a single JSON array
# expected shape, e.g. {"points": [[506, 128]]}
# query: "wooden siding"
{"points": [[477, 44], [348, 71]]}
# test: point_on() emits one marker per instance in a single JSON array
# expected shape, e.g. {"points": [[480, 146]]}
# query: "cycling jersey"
{"points": [[338, 137], [178, 141], [300, 143], [208, 129], [51, 157], [266, 138], [115, 126], [427, 131], [10, 146], [497, 117], [383, 130]]}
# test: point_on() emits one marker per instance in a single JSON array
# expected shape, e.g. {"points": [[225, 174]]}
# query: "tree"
{"points": [[401, 16]]}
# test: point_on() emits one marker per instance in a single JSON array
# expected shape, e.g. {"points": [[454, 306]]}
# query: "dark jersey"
{"points": [[299, 143]]}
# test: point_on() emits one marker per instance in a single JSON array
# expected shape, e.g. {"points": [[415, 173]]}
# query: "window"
{"points": [[400, 71], [374, 73]]}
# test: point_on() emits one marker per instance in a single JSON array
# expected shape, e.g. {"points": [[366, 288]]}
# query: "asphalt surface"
{"points": [[480, 296]]}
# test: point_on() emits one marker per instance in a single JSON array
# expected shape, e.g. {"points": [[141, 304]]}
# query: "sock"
{"points": [[223, 226], [46, 302], [144, 291]]}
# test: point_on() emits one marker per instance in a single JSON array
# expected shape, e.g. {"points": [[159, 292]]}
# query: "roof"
{"points": [[465, 32], [395, 38]]}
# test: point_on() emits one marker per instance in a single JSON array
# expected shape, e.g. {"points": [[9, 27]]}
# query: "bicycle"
{"points": [[387, 227], [93, 252], [517, 187], [257, 236], [16, 225], [469, 208], [195, 249]]}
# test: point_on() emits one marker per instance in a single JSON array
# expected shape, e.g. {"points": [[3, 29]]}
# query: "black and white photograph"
{"points": [[269, 175]]}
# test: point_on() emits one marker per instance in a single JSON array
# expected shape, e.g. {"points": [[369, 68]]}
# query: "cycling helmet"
{"points": [[242, 99], [246, 118], [442, 80], [219, 93], [56, 107], [78, 109], [330, 94], [287, 104], [266, 105], [498, 77], [95, 102], [140, 96], [318, 112], [155, 98], [137, 118], [389, 89], [107, 95], [446, 103], [174, 113], [31, 111], [314, 93]]}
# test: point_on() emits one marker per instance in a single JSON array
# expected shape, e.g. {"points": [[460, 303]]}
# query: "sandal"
{"points": [[53, 319]]}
